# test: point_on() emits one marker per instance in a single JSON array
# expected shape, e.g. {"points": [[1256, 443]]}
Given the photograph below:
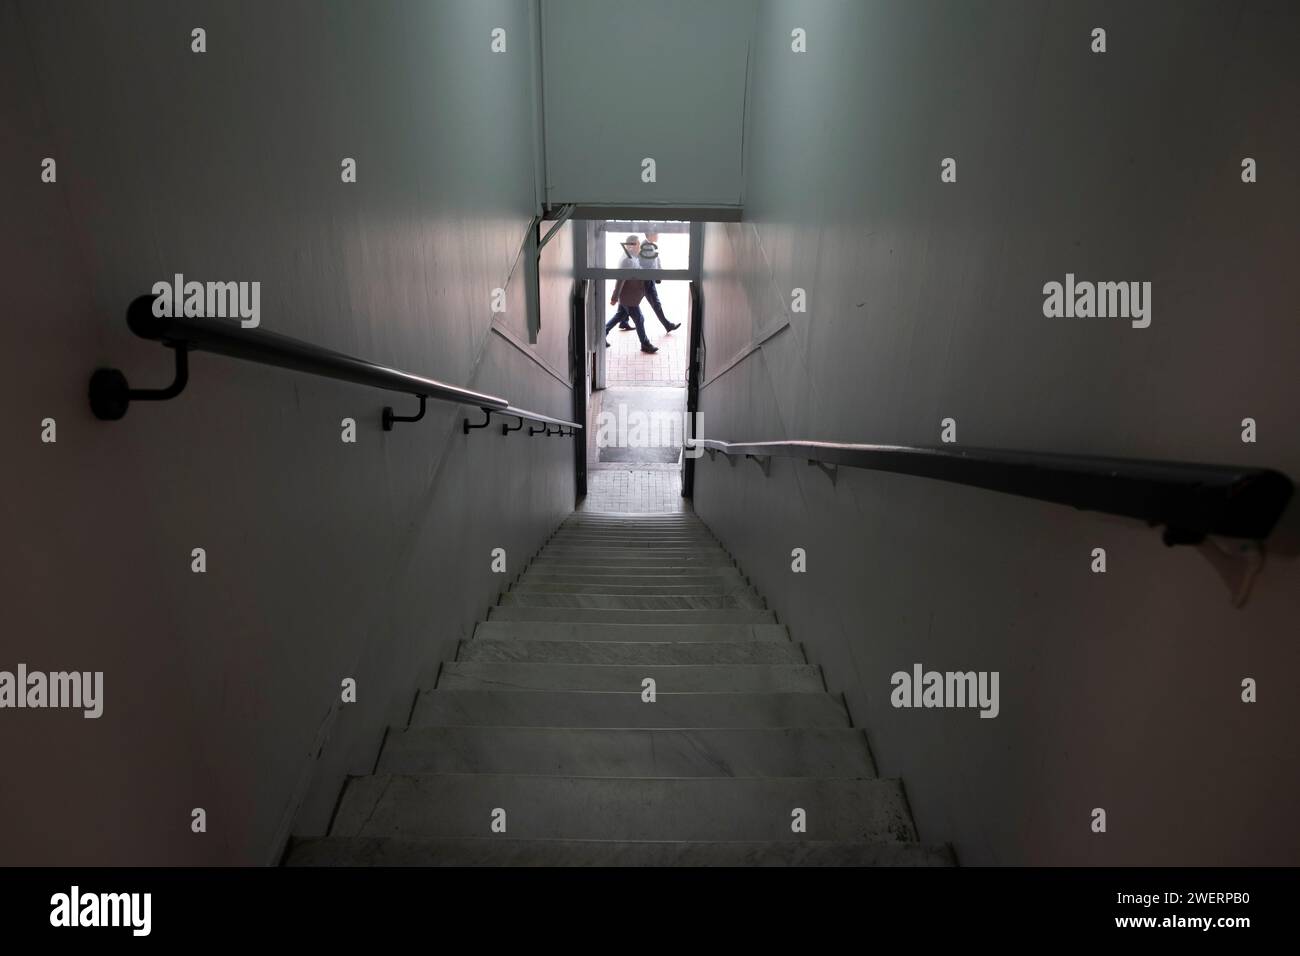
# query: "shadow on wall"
{"points": [[326, 559], [1120, 691]]}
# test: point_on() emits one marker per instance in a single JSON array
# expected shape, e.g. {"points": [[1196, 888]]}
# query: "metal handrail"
{"points": [[1191, 500], [537, 417], [111, 395]]}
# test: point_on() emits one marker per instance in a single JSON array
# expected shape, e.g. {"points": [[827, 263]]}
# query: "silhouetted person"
{"points": [[628, 294], [649, 256]]}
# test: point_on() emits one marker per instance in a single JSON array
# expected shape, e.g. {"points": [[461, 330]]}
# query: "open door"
{"points": [[580, 370], [694, 375]]}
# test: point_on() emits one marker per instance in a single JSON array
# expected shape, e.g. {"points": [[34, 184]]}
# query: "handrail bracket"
{"points": [[487, 420], [111, 395], [389, 417], [831, 469]]}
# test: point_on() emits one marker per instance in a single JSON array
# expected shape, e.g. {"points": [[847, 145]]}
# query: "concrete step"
{"points": [[596, 752], [624, 528], [636, 520], [609, 531], [693, 532], [583, 615], [633, 544], [655, 572], [541, 708], [598, 574], [672, 557], [504, 851], [633, 602], [668, 678], [612, 652], [641, 563], [624, 549], [636, 633], [439, 806], [527, 585], [632, 541]]}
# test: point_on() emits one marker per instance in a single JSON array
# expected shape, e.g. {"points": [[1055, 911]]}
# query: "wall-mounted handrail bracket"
{"points": [[506, 429], [487, 420], [764, 462], [1238, 563], [831, 470], [111, 395], [544, 430], [389, 417]]}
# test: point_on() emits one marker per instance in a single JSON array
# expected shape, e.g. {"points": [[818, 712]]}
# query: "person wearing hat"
{"points": [[628, 294], [630, 246], [649, 257]]}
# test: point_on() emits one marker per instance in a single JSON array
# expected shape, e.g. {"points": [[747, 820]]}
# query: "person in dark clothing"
{"points": [[628, 294], [649, 256]]}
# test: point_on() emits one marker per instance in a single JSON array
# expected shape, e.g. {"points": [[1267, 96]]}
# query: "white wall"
{"points": [[325, 560], [924, 301], [625, 81]]}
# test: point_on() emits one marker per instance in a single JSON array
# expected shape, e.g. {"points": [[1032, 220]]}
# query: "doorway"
{"points": [[637, 414]]}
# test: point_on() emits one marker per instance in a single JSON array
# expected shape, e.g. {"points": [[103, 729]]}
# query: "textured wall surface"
{"points": [[924, 301], [325, 560]]}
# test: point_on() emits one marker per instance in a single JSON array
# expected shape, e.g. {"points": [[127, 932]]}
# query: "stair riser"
{"points": [[575, 563], [688, 557], [489, 650], [638, 541], [532, 586], [629, 547], [611, 616], [629, 753], [638, 520], [503, 851], [629, 678], [632, 602], [447, 708], [653, 574], [644, 576], [595, 808], [570, 631]]}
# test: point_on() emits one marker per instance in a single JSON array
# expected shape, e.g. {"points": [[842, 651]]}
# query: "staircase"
{"points": [[541, 716]]}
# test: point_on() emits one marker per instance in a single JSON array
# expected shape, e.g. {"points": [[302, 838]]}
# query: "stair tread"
{"points": [[629, 808], [679, 678], [738, 600], [630, 632], [651, 752], [578, 615], [611, 709], [507, 851], [631, 652]]}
